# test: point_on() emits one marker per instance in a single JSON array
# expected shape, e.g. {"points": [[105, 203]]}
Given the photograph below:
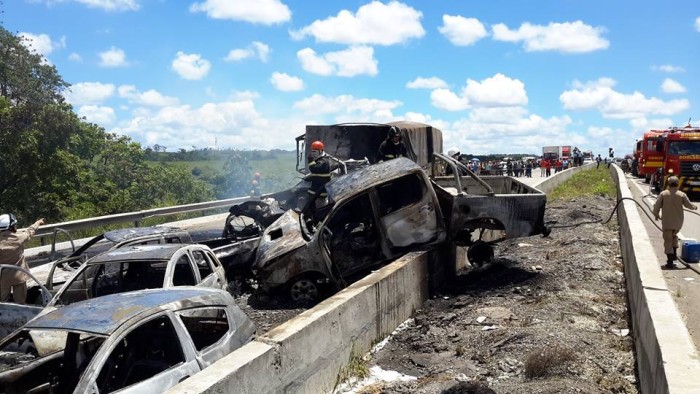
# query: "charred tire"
{"points": [[479, 253], [305, 289]]}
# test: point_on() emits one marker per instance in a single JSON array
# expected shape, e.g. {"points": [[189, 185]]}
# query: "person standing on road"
{"points": [[598, 160], [12, 253], [671, 201]]}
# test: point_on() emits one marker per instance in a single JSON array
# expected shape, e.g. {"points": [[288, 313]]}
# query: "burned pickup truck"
{"points": [[379, 212]]}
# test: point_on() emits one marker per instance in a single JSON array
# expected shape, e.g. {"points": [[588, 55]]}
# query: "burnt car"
{"points": [[137, 342], [373, 215], [14, 316], [55, 273], [377, 213], [142, 267]]}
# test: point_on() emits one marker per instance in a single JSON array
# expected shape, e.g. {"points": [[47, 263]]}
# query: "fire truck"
{"points": [[649, 159], [680, 148]]}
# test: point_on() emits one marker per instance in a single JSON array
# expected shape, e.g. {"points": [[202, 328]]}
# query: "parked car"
{"points": [[142, 267], [137, 342]]}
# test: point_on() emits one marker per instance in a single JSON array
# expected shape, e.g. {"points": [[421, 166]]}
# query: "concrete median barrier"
{"points": [[667, 361]]}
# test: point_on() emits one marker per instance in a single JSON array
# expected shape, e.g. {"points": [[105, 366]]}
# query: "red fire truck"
{"points": [[648, 158], [680, 148]]}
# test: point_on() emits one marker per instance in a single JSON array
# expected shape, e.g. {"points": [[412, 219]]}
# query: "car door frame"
{"points": [[182, 371]]}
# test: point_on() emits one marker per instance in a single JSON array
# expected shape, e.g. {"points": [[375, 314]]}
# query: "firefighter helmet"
{"points": [[394, 132], [317, 145], [7, 220]]}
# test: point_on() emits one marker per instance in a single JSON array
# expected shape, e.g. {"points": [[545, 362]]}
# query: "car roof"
{"points": [[367, 177], [126, 234], [104, 315], [139, 252]]}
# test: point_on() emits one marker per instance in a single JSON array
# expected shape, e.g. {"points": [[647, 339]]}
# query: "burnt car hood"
{"points": [[282, 237]]}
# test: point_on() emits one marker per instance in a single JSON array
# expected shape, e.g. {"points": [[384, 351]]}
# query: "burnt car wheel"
{"points": [[304, 290], [479, 253]]}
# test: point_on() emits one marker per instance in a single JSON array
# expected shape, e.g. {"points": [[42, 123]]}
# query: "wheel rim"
{"points": [[304, 290], [479, 253]]}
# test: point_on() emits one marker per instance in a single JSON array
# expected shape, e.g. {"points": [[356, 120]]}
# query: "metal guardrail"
{"points": [[135, 217]]}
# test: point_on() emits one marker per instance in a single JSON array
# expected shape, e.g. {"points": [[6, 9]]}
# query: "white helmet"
{"points": [[452, 152], [6, 221]]}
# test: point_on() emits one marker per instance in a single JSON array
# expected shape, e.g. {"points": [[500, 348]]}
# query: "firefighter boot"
{"points": [[675, 254], [669, 261]]}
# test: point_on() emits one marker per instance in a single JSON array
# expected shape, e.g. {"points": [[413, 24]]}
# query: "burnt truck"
{"points": [[356, 145], [376, 213]]}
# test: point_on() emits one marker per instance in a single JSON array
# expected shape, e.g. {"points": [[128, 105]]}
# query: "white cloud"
{"points": [[103, 116], [568, 37], [668, 68], [191, 66], [74, 57], [447, 100], [347, 108], [346, 63], [86, 93], [426, 83], [671, 86], [265, 12], [286, 83], [697, 24], [375, 23], [41, 43], [113, 57], [106, 5], [256, 49], [507, 130], [462, 31], [235, 123], [642, 125], [613, 104], [150, 97], [496, 91]]}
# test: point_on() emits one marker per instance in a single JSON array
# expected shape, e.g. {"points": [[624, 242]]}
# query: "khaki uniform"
{"points": [[12, 253], [671, 201]]}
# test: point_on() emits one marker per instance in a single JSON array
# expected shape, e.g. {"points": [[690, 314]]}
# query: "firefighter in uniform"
{"points": [[319, 171], [671, 202], [393, 146], [12, 252]]}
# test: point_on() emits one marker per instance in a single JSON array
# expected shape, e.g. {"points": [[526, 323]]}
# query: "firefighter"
{"points": [[671, 201], [12, 252], [393, 146], [319, 170]]}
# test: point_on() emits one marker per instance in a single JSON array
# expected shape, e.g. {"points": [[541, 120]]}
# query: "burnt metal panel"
{"points": [[139, 252], [365, 178], [126, 234], [104, 315]]}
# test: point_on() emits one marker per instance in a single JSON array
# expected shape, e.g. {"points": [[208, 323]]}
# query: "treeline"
{"points": [[56, 165]]}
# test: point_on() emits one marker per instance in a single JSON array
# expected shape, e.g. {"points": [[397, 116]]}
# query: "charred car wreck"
{"points": [[381, 211], [138, 342]]}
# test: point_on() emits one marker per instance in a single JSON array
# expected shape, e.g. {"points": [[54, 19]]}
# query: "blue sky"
{"points": [[497, 76]]}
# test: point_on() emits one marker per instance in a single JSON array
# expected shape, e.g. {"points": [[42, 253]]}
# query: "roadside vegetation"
{"points": [[593, 182], [58, 166]]}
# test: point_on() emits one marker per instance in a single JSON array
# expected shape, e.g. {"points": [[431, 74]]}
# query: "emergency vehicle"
{"points": [[649, 159], [680, 149]]}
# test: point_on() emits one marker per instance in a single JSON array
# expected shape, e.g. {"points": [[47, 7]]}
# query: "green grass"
{"points": [[593, 182]]}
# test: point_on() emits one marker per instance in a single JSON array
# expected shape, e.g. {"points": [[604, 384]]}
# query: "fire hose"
{"points": [[643, 209]]}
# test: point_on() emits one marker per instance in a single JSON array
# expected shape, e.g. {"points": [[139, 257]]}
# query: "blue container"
{"points": [[691, 251]]}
